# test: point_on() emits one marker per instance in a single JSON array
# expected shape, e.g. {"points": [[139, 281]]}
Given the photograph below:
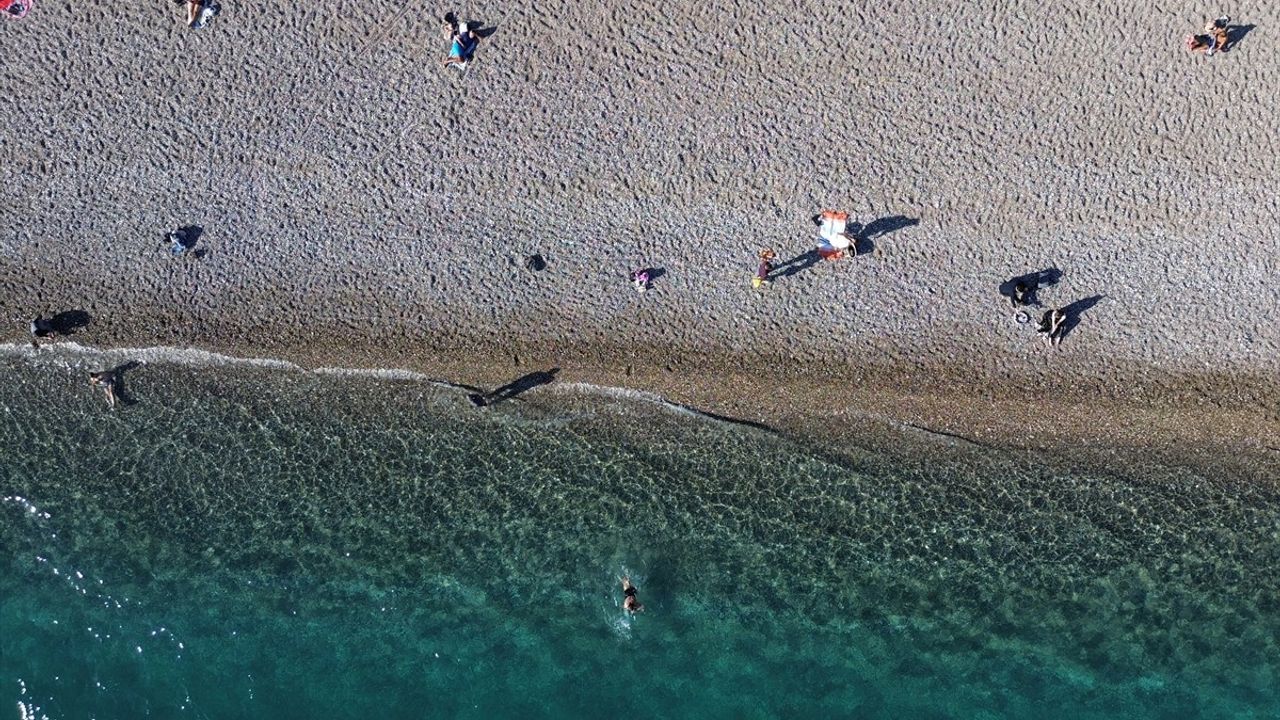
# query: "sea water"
{"points": [[245, 542]]}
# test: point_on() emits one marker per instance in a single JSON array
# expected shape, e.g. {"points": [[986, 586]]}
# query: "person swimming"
{"points": [[630, 602]]}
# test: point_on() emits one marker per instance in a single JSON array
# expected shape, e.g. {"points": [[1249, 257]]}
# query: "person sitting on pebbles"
{"points": [[1214, 39], [42, 329], [462, 39], [15, 8]]}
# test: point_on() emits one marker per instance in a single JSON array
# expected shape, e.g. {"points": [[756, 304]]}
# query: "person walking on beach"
{"points": [[630, 602], [105, 379], [767, 256], [1050, 327]]}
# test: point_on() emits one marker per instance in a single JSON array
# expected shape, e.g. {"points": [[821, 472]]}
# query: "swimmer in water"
{"points": [[630, 602], [106, 380]]}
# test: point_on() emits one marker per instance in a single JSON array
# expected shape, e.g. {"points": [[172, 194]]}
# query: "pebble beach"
{"points": [[363, 207]]}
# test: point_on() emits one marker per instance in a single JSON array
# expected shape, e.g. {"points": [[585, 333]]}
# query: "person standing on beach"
{"points": [[1050, 327], [767, 256]]}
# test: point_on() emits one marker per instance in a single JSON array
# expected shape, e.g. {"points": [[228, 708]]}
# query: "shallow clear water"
{"points": [[242, 542]]}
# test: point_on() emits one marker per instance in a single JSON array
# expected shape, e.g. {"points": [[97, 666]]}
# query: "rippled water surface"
{"points": [[242, 542]]}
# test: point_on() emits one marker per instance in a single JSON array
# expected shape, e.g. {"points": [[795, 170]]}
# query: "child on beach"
{"points": [[1021, 294], [177, 243], [767, 256]]}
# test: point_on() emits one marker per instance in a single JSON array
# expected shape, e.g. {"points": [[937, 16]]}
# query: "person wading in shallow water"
{"points": [[630, 602], [105, 379]]}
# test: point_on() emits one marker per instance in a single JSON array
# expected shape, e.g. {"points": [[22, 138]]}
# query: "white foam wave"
{"points": [[68, 350], [73, 353]]}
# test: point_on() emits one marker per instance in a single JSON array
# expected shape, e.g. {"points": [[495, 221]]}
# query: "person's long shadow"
{"points": [[797, 264], [480, 30], [520, 385], [1075, 310], [865, 236], [1236, 33], [69, 321], [1033, 282]]}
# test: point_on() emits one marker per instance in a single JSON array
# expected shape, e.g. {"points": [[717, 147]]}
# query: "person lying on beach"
{"points": [[462, 45], [630, 602], [1050, 327], [105, 379], [640, 279], [767, 256], [1213, 40]]}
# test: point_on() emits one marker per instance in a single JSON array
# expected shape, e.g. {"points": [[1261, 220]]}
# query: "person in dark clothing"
{"points": [[1050, 326], [42, 328], [1021, 294]]}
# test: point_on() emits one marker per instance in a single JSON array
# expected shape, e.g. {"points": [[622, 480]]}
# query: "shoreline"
{"points": [[840, 417]]}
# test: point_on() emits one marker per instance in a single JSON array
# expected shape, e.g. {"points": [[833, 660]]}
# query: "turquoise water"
{"points": [[242, 542]]}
